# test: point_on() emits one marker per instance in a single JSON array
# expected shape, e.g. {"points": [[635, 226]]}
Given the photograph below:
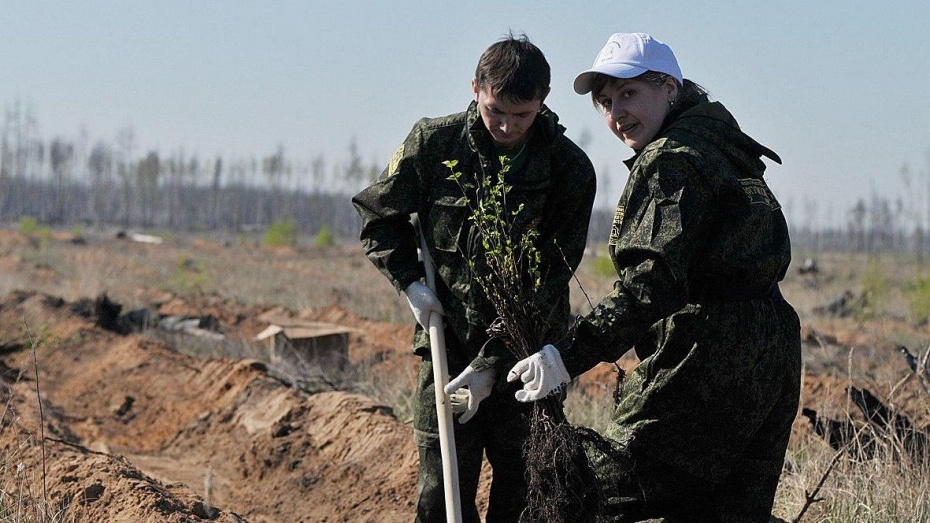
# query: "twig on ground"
{"points": [[923, 370], [918, 366], [35, 364], [811, 496], [78, 446], [575, 276]]}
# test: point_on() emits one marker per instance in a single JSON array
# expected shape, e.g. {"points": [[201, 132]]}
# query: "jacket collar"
{"points": [[713, 122], [546, 128]]}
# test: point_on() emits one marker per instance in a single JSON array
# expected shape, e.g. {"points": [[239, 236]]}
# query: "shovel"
{"points": [[437, 340]]}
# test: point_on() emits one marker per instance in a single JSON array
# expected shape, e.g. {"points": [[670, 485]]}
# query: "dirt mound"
{"points": [[79, 484], [266, 451]]}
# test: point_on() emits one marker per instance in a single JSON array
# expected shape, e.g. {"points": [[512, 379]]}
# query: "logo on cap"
{"points": [[607, 53]]}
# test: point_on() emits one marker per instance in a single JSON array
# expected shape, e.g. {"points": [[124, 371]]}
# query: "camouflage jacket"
{"points": [[696, 222], [556, 186]]}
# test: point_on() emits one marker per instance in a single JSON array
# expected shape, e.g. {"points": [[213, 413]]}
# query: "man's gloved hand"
{"points": [[459, 401], [541, 374], [466, 400], [422, 301]]}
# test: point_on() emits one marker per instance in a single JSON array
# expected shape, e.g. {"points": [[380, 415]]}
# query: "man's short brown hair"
{"points": [[514, 68]]}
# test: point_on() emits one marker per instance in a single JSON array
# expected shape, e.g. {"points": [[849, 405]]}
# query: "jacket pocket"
{"points": [[447, 219], [679, 334]]}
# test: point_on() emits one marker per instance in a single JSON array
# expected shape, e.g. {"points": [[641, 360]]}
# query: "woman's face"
{"points": [[635, 109]]}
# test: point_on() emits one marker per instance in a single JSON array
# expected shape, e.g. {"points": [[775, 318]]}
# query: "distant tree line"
{"points": [[71, 182], [875, 223]]}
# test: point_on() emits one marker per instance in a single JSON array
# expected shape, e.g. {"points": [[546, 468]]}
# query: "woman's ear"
{"points": [[671, 87]]}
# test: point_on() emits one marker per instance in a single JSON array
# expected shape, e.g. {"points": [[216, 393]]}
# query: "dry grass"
{"points": [[235, 267], [883, 488], [22, 474], [21, 499]]}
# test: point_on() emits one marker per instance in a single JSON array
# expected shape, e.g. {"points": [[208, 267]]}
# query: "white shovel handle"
{"points": [[437, 340]]}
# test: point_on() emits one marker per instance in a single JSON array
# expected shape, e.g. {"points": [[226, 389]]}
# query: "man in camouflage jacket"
{"points": [[554, 182]]}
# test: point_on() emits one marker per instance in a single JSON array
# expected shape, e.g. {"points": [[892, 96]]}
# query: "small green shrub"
{"points": [[28, 225], [324, 238], [189, 277], [281, 233]]}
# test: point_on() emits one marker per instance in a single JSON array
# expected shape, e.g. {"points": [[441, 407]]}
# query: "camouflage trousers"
{"points": [[498, 430], [706, 418]]}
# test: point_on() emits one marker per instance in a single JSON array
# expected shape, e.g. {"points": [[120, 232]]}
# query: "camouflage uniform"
{"points": [[556, 186], [699, 243]]}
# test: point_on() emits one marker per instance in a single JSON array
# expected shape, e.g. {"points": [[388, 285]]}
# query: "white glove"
{"points": [[459, 401], [466, 400], [422, 301], [541, 374]]}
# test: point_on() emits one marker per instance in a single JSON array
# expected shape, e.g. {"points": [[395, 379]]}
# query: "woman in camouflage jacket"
{"points": [[699, 243]]}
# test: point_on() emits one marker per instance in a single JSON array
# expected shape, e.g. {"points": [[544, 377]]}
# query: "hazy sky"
{"points": [[838, 89]]}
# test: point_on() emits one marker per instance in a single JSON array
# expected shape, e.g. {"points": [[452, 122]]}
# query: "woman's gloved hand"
{"points": [[542, 374], [469, 389], [422, 301]]}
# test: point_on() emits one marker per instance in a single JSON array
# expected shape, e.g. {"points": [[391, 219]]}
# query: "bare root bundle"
{"points": [[561, 484]]}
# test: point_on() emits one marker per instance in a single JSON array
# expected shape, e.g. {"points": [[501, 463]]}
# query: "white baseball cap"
{"points": [[628, 55]]}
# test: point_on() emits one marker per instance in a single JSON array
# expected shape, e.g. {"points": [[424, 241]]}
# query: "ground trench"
{"points": [[219, 430]]}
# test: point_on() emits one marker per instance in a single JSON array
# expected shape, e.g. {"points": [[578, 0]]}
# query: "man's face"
{"points": [[508, 121]]}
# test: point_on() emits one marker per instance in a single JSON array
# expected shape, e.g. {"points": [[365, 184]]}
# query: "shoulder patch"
{"points": [[395, 160], [759, 193]]}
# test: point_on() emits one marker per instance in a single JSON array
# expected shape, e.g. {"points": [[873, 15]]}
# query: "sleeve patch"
{"points": [[615, 227], [395, 160], [759, 193]]}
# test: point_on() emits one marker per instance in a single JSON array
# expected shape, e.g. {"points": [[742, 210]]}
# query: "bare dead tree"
{"points": [[148, 172], [215, 186], [61, 157], [100, 168], [125, 140]]}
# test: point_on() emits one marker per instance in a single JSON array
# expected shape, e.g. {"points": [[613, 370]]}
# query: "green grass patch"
{"points": [[30, 226], [603, 267]]}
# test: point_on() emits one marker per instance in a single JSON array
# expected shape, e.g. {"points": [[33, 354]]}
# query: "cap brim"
{"points": [[584, 81]]}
